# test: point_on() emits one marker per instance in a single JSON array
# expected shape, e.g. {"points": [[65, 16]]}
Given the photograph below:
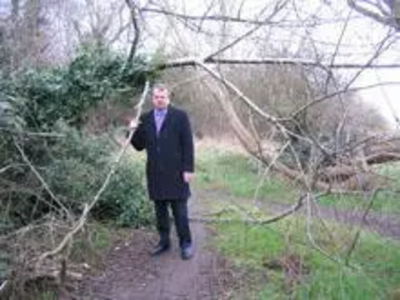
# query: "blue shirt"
{"points": [[159, 116]]}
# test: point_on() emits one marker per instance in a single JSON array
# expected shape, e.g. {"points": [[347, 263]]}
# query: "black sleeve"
{"points": [[187, 144], [138, 140]]}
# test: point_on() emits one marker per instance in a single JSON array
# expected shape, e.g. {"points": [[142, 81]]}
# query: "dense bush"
{"points": [[125, 199], [73, 163], [79, 167], [74, 167], [48, 95]]}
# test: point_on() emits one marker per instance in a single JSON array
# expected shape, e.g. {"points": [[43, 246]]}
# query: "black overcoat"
{"points": [[169, 153]]}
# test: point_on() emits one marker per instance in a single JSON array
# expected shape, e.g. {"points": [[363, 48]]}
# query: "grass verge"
{"points": [[296, 270], [282, 252], [242, 176]]}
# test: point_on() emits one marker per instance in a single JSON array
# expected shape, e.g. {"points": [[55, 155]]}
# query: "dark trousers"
{"points": [[180, 212]]}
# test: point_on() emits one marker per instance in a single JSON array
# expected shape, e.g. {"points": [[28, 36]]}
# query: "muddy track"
{"points": [[130, 272], [385, 224]]}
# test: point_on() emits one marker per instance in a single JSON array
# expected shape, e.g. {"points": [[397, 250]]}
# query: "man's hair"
{"points": [[161, 87]]}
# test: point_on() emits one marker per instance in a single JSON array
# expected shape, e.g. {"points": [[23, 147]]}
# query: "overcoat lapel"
{"points": [[152, 124]]}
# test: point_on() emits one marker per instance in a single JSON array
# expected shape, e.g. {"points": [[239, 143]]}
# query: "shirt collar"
{"points": [[160, 112]]}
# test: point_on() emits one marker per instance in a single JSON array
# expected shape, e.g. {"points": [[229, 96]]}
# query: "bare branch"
{"points": [[338, 44], [42, 181], [363, 220], [341, 91], [288, 212], [238, 19], [82, 220], [277, 8], [384, 18], [270, 220], [4, 169], [275, 61], [250, 103], [310, 236], [3, 286], [135, 41]]}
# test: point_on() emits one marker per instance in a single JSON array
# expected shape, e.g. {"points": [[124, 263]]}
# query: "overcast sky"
{"points": [[358, 39], [309, 29]]}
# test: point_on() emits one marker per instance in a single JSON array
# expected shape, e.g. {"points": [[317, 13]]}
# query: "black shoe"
{"points": [[159, 249], [186, 253]]}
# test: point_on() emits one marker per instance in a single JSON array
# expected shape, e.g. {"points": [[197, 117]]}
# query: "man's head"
{"points": [[160, 97]]}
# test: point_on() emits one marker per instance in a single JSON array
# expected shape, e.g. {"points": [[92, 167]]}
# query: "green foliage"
{"points": [[264, 249], [9, 113], [79, 167], [74, 164], [100, 236], [88, 245], [126, 198], [68, 92], [74, 167], [3, 264]]}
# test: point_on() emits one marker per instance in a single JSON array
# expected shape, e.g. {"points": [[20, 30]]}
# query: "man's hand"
{"points": [[187, 176], [133, 124]]}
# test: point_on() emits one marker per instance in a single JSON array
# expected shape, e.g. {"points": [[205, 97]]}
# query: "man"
{"points": [[166, 134]]}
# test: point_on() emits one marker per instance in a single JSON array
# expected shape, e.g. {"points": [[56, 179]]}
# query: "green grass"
{"points": [[391, 171], [375, 262], [242, 176], [46, 295], [87, 247], [101, 236], [385, 202]]}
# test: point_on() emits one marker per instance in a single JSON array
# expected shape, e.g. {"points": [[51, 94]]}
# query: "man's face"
{"points": [[160, 98]]}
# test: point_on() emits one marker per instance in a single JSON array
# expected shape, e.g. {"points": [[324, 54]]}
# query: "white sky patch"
{"points": [[386, 95]]}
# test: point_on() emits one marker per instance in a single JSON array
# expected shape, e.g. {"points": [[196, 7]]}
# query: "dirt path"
{"points": [[385, 224], [131, 273]]}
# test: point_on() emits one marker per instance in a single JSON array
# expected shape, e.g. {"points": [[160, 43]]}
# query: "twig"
{"points": [[135, 41], [243, 36], [42, 181], [2, 170], [266, 171], [82, 220], [363, 219], [3, 285], [251, 219], [243, 97], [311, 238], [287, 212], [238, 19], [381, 18], [32, 133], [338, 44], [20, 232], [336, 93]]}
